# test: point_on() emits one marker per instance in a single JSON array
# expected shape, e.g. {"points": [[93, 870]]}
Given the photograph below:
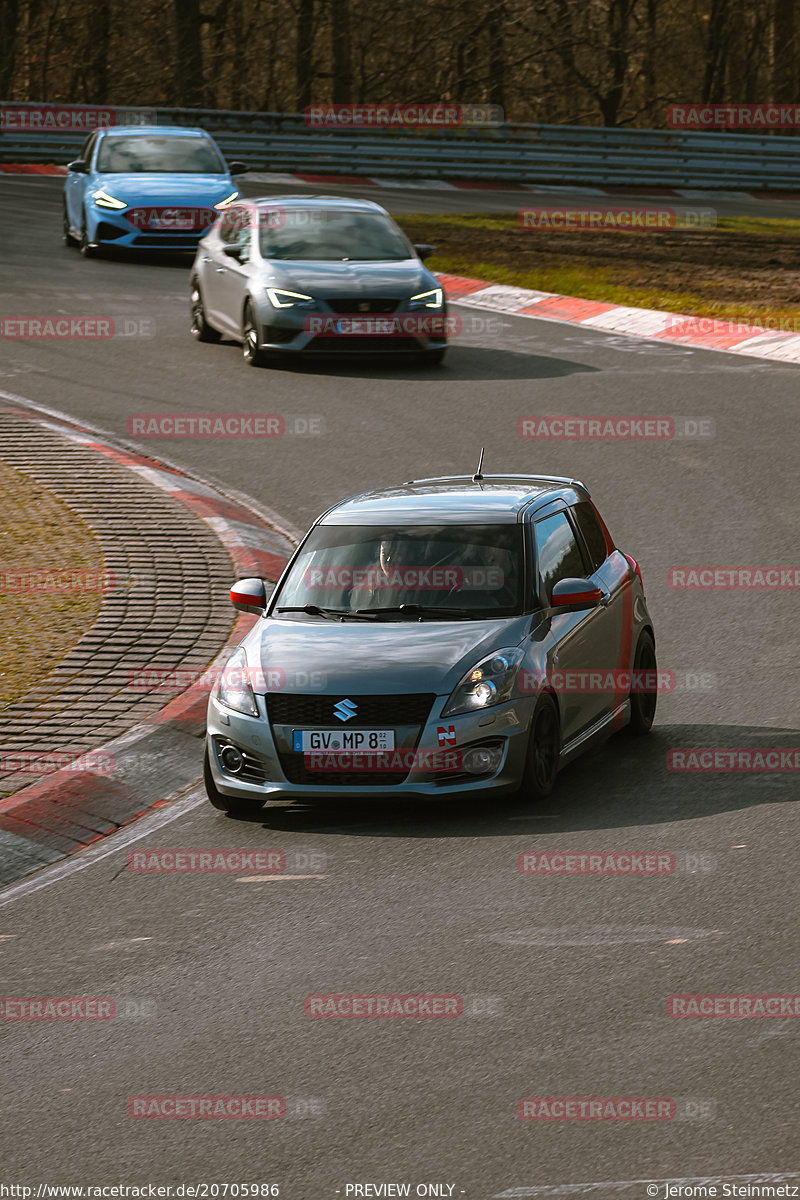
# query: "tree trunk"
{"points": [[305, 49], [188, 59], [340, 39], [783, 61], [9, 20]]}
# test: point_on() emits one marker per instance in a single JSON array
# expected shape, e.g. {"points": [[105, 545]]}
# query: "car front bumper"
{"points": [[323, 331], [506, 727]]}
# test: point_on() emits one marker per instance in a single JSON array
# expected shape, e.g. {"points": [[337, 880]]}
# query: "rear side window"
{"points": [[557, 552], [592, 532]]}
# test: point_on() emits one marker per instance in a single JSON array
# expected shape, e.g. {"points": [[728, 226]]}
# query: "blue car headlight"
{"points": [[106, 200], [489, 682]]}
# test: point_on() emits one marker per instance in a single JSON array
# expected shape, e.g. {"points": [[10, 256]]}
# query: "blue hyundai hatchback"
{"points": [[146, 187]]}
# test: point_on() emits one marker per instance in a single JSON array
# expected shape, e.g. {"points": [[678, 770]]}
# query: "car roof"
{"points": [[159, 130], [460, 499], [345, 202]]}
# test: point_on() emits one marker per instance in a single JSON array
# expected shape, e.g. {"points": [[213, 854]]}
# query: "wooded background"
{"points": [[590, 62]]}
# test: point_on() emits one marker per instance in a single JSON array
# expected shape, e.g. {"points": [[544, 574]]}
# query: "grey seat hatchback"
{"points": [[441, 637]]}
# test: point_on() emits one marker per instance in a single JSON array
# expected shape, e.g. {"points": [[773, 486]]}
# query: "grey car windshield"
{"points": [[333, 235], [475, 569], [181, 155]]}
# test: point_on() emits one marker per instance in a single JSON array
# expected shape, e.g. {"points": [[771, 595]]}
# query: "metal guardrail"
{"points": [[547, 154]]}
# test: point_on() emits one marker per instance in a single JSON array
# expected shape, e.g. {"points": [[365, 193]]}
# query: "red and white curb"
{"points": [[455, 185], [160, 757], [704, 333]]}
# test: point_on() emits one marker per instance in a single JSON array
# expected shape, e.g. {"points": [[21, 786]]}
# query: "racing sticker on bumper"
{"points": [[446, 735]]}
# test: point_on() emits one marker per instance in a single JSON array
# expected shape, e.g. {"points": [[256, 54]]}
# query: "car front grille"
{"points": [[381, 711], [406, 714], [348, 306], [352, 344], [176, 241]]}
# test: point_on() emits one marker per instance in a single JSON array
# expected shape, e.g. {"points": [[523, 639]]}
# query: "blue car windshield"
{"points": [[167, 154], [475, 569], [330, 235]]}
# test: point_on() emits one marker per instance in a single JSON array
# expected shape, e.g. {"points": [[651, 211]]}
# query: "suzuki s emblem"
{"points": [[345, 709]]}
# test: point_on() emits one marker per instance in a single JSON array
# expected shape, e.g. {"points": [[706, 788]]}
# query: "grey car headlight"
{"points": [[491, 681], [280, 298], [432, 299], [106, 200], [233, 689]]}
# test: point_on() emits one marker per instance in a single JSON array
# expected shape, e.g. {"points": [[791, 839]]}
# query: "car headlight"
{"points": [[280, 298], [106, 200], [228, 200], [432, 299], [490, 682], [233, 689]]}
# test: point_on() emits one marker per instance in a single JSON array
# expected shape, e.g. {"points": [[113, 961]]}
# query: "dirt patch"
{"points": [[50, 582], [710, 273]]}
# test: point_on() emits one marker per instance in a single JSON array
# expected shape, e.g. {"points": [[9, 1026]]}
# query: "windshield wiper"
{"points": [[316, 611], [424, 610]]}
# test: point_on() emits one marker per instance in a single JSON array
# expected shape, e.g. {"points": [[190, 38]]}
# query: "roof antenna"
{"points": [[478, 476]]}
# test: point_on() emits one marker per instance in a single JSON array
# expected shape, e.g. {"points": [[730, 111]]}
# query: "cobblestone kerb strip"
{"points": [[117, 710]]}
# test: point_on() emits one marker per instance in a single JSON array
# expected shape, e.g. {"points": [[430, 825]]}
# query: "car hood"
{"points": [[368, 659], [139, 187], [373, 279]]}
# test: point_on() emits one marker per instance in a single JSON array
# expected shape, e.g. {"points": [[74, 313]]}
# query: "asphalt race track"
{"points": [[565, 979]]}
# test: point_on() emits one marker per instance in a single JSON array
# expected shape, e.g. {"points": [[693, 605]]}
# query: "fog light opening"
{"points": [[231, 760], [482, 760]]}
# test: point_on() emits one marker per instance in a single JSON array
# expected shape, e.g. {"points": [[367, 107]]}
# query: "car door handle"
{"points": [[220, 270]]}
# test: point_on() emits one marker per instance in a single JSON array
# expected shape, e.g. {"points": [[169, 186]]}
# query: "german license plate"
{"points": [[305, 740], [177, 222]]}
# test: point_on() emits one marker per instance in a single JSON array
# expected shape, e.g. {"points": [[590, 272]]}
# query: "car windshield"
{"points": [[170, 154], [468, 571], [331, 235]]}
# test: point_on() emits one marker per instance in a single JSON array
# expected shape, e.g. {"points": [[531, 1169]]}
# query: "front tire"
{"points": [[201, 330], [84, 245], [233, 805], [69, 236], [643, 704], [544, 749], [252, 353]]}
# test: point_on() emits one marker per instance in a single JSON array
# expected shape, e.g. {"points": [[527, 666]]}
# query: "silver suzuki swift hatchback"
{"points": [[442, 637]]}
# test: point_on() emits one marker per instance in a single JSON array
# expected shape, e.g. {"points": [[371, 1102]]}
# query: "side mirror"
{"points": [[233, 252], [237, 168], [574, 595], [250, 595], [79, 166], [424, 250]]}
